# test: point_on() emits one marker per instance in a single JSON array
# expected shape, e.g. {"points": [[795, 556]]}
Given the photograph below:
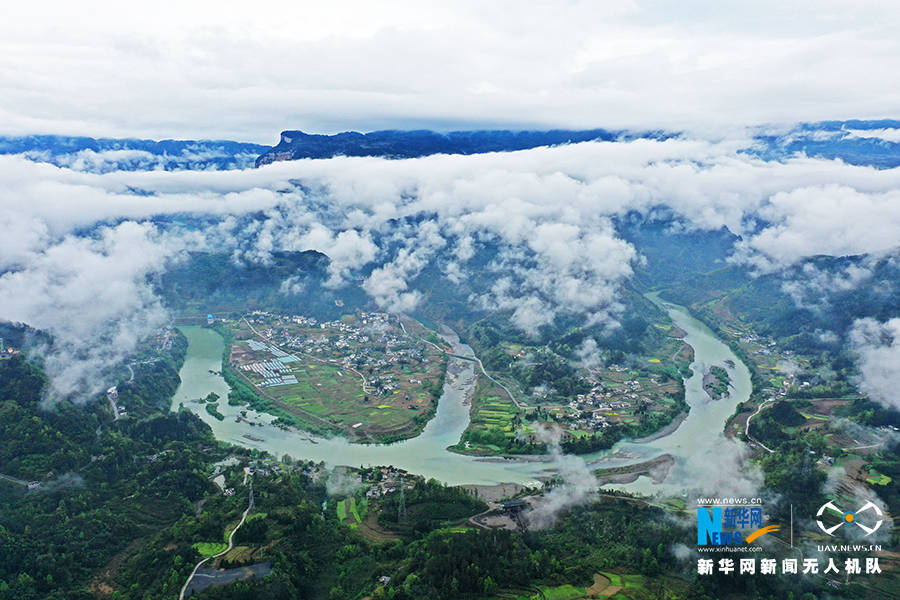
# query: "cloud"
{"points": [[543, 218], [850, 495], [388, 284], [248, 71], [92, 295], [107, 161], [588, 354], [810, 287], [833, 220], [887, 134], [577, 483], [827, 337], [342, 482], [64, 481], [878, 347], [349, 249]]}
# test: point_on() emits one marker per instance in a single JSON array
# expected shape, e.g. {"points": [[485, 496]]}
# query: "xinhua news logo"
{"points": [[731, 525]]}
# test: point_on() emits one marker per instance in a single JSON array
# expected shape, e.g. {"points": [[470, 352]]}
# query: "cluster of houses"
{"points": [[259, 468], [6, 352], [347, 344], [386, 481], [766, 347], [163, 339], [591, 410]]}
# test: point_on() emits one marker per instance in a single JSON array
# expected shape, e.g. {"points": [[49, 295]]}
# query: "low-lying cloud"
{"points": [[78, 247], [91, 294], [878, 347], [577, 484]]}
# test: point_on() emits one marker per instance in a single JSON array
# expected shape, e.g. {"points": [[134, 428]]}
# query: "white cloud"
{"points": [[833, 220], [243, 71], [548, 212], [388, 285], [810, 286], [878, 346], [91, 294], [888, 134], [577, 484]]}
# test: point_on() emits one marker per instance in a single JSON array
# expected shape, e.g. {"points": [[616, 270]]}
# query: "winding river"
{"points": [[698, 437]]}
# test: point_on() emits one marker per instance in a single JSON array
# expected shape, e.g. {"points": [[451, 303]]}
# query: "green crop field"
{"points": [[561, 592], [207, 549], [349, 508], [353, 510], [330, 395]]}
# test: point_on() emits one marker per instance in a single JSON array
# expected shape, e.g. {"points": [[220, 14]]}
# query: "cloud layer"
{"points": [[878, 346], [246, 71], [79, 247]]}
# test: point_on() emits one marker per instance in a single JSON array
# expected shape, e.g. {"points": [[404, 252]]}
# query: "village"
{"points": [[368, 341], [362, 375], [595, 409], [617, 396]]}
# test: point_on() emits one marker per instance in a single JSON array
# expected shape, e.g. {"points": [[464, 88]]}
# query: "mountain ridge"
{"points": [[391, 143]]}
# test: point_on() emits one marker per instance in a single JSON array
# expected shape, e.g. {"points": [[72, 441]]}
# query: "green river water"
{"points": [[697, 441]]}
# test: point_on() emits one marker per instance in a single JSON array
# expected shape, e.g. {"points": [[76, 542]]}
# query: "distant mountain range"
{"points": [[870, 142], [413, 144], [101, 155]]}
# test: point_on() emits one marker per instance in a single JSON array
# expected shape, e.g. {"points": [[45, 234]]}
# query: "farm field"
{"points": [[495, 421], [350, 512], [362, 376]]}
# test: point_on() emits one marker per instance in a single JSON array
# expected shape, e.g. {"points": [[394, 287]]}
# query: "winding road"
{"points": [[15, 480], [473, 358], [747, 428], [223, 552]]}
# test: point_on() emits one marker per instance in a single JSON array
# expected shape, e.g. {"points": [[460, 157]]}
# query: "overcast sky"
{"points": [[247, 70]]}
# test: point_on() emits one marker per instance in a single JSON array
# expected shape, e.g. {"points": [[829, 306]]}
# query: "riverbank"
{"points": [[656, 469], [690, 440], [669, 429]]}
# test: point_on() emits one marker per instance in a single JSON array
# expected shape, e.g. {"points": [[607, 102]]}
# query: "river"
{"points": [[698, 438]]}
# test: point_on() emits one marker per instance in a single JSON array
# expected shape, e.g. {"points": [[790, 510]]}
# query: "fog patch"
{"points": [[64, 481], [577, 482], [588, 354], [877, 345], [682, 552], [342, 482], [92, 296], [849, 496]]}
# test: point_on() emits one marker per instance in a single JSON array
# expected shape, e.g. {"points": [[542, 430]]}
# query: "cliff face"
{"points": [[845, 140], [411, 144]]}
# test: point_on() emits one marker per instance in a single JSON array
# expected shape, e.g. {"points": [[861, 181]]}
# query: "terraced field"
{"points": [[494, 420], [351, 512]]}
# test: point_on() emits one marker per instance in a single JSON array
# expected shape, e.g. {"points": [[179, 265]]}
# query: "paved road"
{"points": [[224, 552], [518, 404], [115, 408], [14, 479], [474, 359], [747, 428]]}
